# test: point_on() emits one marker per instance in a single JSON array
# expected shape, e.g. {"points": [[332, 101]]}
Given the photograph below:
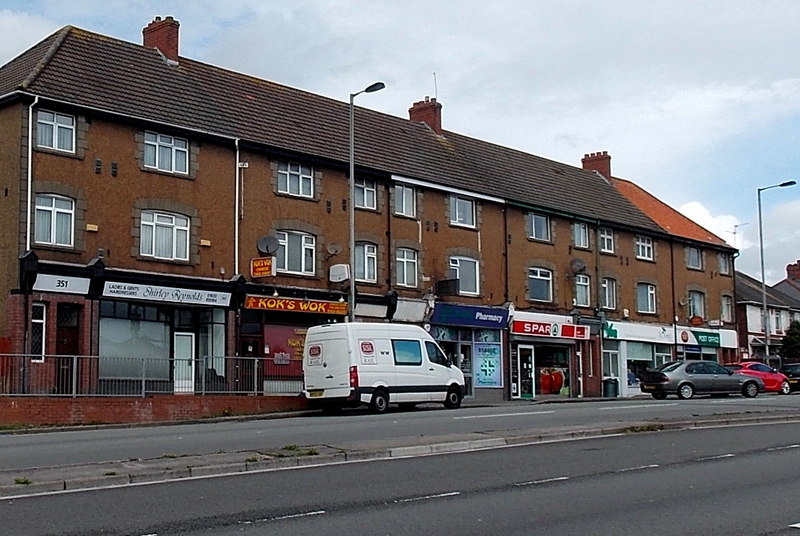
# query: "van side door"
{"points": [[439, 371]]}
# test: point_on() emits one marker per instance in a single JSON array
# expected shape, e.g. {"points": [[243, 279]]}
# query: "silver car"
{"points": [[687, 378]]}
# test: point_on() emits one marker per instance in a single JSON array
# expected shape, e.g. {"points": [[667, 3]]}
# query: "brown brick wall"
{"points": [[69, 411]]}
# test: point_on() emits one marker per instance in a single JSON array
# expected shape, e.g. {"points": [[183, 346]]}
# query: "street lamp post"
{"points": [[764, 311], [377, 86]]}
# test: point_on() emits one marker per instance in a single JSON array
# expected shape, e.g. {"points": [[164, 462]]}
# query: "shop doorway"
{"points": [[524, 387], [183, 360], [244, 374], [67, 346]]}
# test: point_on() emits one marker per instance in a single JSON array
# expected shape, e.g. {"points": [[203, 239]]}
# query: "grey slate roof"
{"points": [[95, 71], [748, 290]]}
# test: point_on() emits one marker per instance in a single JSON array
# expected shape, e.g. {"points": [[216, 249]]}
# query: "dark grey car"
{"points": [[687, 378]]}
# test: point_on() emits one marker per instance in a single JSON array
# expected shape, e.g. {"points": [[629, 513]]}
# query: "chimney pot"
{"points": [[599, 162], [162, 35], [427, 111]]}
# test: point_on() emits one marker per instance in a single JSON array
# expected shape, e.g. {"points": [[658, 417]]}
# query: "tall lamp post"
{"points": [[764, 311], [377, 86]]}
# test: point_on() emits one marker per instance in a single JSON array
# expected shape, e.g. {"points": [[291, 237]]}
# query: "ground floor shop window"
{"points": [[610, 359], [157, 348], [477, 352]]}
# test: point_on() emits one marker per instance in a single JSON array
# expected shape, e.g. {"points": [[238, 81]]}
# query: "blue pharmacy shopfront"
{"points": [[474, 337]]}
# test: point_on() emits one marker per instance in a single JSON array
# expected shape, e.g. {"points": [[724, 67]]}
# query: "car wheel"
{"points": [[453, 398], [750, 389], [685, 391], [660, 396], [785, 388], [379, 402]]}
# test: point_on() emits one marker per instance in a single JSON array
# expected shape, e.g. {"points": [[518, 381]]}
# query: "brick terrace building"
{"points": [[158, 206]]}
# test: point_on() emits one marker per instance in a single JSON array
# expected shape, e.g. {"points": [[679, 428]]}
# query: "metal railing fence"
{"points": [[80, 376]]}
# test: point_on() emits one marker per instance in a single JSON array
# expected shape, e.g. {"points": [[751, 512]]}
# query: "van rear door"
{"points": [[326, 368]]}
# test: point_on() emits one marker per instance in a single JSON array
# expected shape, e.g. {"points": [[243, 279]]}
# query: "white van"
{"points": [[377, 364]]}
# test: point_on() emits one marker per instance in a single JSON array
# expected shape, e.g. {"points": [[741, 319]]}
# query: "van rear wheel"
{"points": [[379, 402], [453, 398]]}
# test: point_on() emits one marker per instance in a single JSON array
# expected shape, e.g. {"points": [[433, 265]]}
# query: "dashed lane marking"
{"points": [[503, 415], [428, 497]]}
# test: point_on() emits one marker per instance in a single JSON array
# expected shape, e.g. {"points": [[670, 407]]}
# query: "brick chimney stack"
{"points": [[163, 35], [429, 112], [793, 271], [599, 162]]}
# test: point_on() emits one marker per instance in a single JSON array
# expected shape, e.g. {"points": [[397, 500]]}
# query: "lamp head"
{"points": [[787, 183], [377, 86]]}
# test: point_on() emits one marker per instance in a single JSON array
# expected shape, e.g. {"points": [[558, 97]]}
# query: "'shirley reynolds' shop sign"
{"points": [[549, 329], [133, 291]]}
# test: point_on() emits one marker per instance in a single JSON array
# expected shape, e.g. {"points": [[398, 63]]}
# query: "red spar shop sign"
{"points": [[295, 305], [548, 329]]}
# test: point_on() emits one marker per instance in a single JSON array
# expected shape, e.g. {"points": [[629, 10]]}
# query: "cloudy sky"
{"points": [[697, 101]]}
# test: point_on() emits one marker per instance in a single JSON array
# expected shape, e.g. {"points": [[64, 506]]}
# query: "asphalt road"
{"points": [[358, 428], [731, 480]]}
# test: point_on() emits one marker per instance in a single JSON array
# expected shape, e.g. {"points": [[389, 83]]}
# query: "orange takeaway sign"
{"points": [[262, 267], [270, 303]]}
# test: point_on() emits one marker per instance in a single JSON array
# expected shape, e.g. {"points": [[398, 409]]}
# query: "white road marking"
{"points": [[426, 497], [288, 516], [787, 447], [627, 469], [717, 457], [795, 526], [649, 406], [543, 481], [503, 415]]}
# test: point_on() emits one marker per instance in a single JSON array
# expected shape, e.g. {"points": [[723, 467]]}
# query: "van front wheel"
{"points": [[379, 402], [453, 398]]}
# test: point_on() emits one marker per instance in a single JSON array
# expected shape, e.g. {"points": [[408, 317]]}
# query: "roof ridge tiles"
{"points": [[51, 51]]}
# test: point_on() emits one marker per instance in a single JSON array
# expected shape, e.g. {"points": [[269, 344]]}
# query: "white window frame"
{"points": [[48, 234], [462, 211], [37, 354], [724, 261], [540, 274], [295, 179], [606, 239], [650, 298], [49, 129], [776, 326], [532, 227], [366, 194], [461, 265], [366, 262], [308, 252], [694, 258], [405, 201], [166, 153], [609, 288], [726, 309], [407, 262], [696, 303], [158, 225], [580, 235], [583, 287], [644, 248]]}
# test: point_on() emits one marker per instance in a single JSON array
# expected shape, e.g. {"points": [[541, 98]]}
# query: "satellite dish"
{"points": [[577, 266], [267, 244], [339, 273], [334, 248]]}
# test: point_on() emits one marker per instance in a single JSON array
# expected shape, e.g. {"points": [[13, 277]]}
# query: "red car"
{"points": [[774, 381]]}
